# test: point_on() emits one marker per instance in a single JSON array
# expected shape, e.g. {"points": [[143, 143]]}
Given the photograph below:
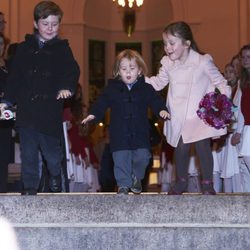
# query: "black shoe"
{"points": [[123, 190], [179, 187], [55, 184], [136, 185], [29, 191], [207, 187]]}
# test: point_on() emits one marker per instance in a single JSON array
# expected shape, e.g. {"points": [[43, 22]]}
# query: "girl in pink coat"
{"points": [[190, 75]]}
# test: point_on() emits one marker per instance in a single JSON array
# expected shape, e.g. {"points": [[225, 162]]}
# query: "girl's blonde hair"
{"points": [[129, 54]]}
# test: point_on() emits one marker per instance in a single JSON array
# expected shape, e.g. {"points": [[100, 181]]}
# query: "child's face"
{"points": [[175, 48], [230, 75], [2, 23], [47, 28], [2, 45], [129, 70], [245, 59], [236, 65]]}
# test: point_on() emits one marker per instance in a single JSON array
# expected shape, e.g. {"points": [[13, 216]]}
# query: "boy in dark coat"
{"points": [[129, 97], [44, 73]]}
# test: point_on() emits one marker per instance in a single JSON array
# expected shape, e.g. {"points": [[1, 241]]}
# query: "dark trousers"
{"points": [[204, 152], [44, 183], [51, 148], [5, 153], [145, 181], [106, 173], [128, 162]]}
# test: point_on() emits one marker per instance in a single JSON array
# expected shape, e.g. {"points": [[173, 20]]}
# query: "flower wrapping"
{"points": [[216, 109], [8, 113]]}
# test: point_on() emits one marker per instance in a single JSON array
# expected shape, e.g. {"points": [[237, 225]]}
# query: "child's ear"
{"points": [[35, 24], [188, 43]]}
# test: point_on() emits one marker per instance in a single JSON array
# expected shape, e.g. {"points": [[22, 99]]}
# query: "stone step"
{"points": [[146, 221]]}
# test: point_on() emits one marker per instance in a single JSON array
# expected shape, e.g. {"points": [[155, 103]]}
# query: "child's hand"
{"points": [[235, 139], [164, 114], [77, 160], [86, 161], [87, 119], [63, 94], [3, 106], [68, 125]]}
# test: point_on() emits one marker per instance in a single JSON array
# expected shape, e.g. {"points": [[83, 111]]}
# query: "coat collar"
{"points": [[193, 59], [116, 80], [32, 39]]}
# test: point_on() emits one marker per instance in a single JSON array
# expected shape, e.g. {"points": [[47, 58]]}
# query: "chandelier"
{"points": [[130, 3]]}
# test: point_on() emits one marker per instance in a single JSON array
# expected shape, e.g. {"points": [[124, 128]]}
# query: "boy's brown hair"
{"points": [[46, 8]]}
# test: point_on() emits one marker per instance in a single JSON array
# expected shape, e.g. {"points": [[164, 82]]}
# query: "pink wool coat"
{"points": [[188, 83]]}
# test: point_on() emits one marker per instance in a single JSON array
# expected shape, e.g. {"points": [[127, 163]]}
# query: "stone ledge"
{"points": [[134, 222], [141, 209], [133, 239]]}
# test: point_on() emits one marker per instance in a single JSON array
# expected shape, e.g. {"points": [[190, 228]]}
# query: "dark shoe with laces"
{"points": [[179, 187], [29, 191], [123, 190], [136, 185], [207, 187], [55, 184]]}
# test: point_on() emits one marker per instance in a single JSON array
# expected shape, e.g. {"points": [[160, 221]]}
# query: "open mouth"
{"points": [[170, 53]]}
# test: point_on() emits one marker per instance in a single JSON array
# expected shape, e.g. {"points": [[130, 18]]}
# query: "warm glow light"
{"points": [[100, 124], [156, 161], [130, 3], [153, 178]]}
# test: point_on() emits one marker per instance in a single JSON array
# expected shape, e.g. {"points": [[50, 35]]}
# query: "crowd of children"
{"points": [[206, 160], [232, 169]]}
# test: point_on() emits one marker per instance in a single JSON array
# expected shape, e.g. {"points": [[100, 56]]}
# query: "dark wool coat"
{"points": [[36, 77], [129, 125], [3, 76]]}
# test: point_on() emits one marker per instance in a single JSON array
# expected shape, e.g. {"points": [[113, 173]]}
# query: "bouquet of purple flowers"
{"points": [[216, 109]]}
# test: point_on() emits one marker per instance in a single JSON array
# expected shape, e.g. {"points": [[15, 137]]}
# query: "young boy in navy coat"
{"points": [[129, 97], [44, 72]]}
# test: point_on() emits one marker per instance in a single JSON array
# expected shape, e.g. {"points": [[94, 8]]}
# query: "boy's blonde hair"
{"points": [[129, 54]]}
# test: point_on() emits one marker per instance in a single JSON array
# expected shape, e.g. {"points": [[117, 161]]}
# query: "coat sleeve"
{"points": [[215, 76], [13, 83], [100, 106], [162, 79], [238, 114], [156, 102], [240, 121], [69, 70]]}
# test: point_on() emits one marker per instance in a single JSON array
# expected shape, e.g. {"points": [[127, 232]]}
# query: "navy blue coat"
{"points": [[129, 125], [35, 79]]}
